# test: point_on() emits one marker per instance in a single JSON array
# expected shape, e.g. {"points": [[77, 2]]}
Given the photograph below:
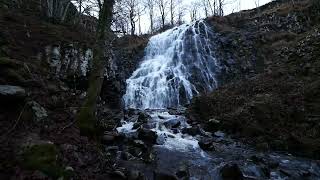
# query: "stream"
{"points": [[179, 64], [178, 153]]}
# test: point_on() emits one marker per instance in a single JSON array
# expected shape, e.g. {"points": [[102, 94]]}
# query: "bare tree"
{"points": [[86, 117], [163, 6], [257, 3], [150, 6], [194, 10], [56, 9]]}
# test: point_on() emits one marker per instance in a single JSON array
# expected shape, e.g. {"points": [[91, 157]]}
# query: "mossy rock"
{"points": [[43, 157]]}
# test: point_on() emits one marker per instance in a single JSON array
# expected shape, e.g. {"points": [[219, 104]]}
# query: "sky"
{"points": [[228, 9]]}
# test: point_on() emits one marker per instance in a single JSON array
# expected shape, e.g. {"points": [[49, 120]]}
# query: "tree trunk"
{"points": [[86, 117]]}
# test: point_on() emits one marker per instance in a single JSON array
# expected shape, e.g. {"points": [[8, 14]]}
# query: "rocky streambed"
{"points": [[161, 144]]}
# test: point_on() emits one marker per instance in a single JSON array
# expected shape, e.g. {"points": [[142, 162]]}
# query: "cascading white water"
{"points": [[178, 64]]}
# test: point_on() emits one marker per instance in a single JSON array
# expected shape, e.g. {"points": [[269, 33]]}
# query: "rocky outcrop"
{"points": [[67, 60]]}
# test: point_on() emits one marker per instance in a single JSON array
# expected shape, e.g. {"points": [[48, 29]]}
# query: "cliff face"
{"points": [[273, 98]]}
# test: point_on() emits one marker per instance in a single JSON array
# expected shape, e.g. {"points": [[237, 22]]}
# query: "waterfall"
{"points": [[178, 64]]}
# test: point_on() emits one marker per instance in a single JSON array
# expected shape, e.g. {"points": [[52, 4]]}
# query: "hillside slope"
{"points": [[276, 105]]}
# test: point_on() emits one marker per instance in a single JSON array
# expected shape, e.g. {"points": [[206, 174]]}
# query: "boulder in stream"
{"points": [[172, 123], [147, 135], [231, 172]]}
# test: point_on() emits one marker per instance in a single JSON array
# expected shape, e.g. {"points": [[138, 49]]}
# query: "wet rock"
{"points": [[231, 172], [147, 136], [138, 143], [110, 137], [161, 139], [136, 125], [175, 130], [8, 92], [172, 123], [206, 144], [179, 111], [38, 113], [143, 117], [182, 172], [213, 125], [219, 134], [132, 112], [163, 176], [193, 131]]}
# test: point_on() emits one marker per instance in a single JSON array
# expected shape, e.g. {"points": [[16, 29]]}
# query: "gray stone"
{"points": [[12, 91], [38, 112], [172, 123]]}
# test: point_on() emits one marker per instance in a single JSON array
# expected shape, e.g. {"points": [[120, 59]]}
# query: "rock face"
{"points": [[68, 60]]}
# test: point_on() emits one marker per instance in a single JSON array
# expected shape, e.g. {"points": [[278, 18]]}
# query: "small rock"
{"points": [[143, 117], [69, 168], [206, 144], [214, 124], [38, 112], [231, 172], [139, 143], [193, 131], [136, 125], [219, 134], [12, 92], [161, 139], [109, 137]]}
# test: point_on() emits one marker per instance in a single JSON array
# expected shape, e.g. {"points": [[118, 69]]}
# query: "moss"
{"points": [[43, 158]]}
